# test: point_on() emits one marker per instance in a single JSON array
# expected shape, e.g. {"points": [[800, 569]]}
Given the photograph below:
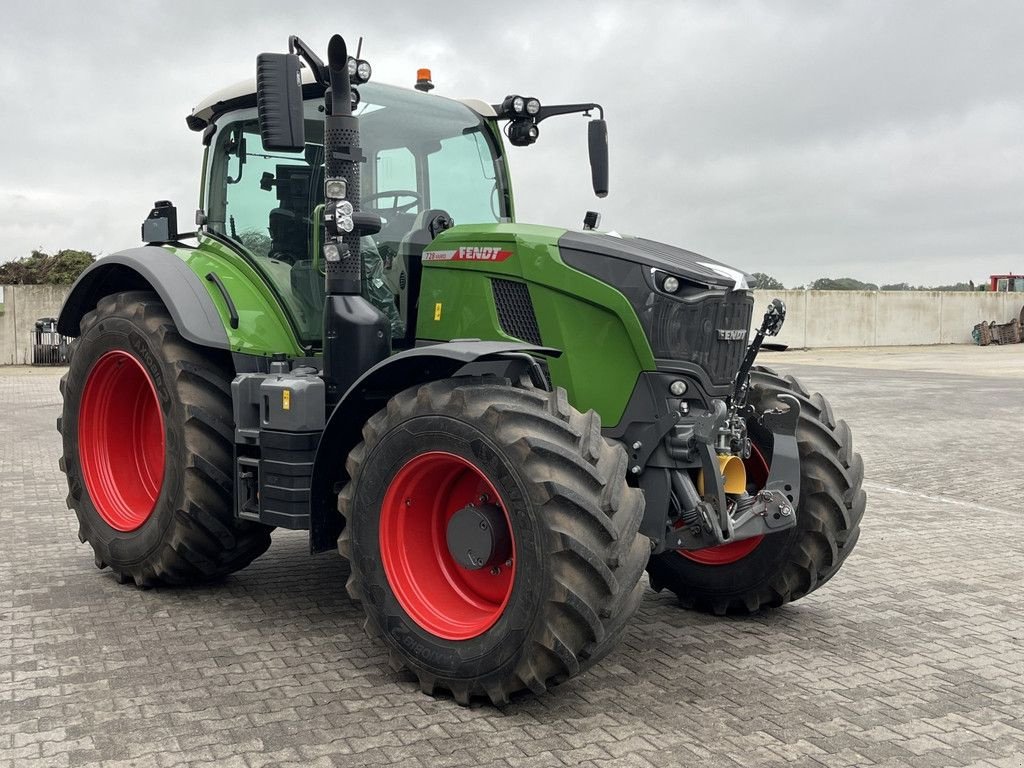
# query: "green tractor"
{"points": [[499, 425]]}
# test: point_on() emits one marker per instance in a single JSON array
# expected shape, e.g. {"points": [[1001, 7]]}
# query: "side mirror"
{"points": [[279, 102], [597, 137]]}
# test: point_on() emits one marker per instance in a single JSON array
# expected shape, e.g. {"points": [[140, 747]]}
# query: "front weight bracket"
{"points": [[784, 475]]}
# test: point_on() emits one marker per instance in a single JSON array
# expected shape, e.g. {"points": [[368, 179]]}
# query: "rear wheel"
{"points": [[492, 537], [768, 571], [148, 435]]}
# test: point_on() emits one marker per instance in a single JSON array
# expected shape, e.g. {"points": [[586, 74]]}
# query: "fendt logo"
{"points": [[731, 334], [468, 253]]}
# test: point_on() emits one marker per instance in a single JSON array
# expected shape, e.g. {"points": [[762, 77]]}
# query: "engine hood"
{"points": [[638, 250]]}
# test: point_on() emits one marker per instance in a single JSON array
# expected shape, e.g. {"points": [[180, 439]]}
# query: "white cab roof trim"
{"points": [[204, 110], [482, 108]]}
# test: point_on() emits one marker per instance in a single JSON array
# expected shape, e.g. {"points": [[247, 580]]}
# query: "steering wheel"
{"points": [[394, 194]]}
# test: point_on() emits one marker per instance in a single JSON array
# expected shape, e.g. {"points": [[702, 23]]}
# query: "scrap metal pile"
{"points": [[999, 333]]}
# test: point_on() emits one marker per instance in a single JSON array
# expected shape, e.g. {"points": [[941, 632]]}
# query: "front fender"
{"points": [[371, 392]]}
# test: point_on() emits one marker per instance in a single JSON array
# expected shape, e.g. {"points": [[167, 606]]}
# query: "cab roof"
{"points": [[243, 94]]}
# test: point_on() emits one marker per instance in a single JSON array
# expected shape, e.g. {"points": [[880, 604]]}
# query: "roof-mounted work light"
{"points": [[359, 70], [519, 106], [522, 132]]}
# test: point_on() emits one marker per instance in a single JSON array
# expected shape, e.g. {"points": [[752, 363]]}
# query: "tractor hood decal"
{"points": [[469, 253]]}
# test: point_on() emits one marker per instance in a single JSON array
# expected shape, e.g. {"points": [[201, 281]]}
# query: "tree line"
{"points": [[763, 280]]}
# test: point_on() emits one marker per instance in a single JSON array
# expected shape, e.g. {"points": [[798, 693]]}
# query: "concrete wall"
{"points": [[885, 318], [22, 306]]}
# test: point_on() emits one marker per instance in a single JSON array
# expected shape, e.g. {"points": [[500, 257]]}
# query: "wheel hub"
{"points": [[478, 537], [446, 545]]}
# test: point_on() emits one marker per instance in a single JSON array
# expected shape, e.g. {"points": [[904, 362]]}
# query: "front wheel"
{"points": [[767, 571], [492, 537]]}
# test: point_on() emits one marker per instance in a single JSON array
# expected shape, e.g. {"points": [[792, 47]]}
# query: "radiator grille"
{"points": [[698, 332], [515, 310]]}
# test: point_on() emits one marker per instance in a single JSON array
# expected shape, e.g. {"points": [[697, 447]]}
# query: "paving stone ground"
{"points": [[912, 656]]}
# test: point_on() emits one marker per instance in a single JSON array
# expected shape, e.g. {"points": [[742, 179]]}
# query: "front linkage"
{"points": [[718, 509]]}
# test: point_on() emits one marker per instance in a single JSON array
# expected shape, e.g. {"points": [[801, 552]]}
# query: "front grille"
{"points": [[697, 331], [515, 310]]}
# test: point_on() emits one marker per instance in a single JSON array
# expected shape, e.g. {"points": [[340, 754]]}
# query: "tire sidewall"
{"points": [[496, 650], [125, 548]]}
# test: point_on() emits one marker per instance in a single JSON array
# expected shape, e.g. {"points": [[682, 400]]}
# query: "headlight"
{"points": [[532, 106], [335, 189], [671, 285], [363, 70], [518, 105]]}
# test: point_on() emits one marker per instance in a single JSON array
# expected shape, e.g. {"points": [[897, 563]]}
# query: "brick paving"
{"points": [[912, 656]]}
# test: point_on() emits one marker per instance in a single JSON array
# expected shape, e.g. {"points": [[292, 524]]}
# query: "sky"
{"points": [[878, 140]]}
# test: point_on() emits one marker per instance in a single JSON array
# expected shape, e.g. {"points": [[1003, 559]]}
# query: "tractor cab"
{"points": [[1008, 283], [425, 157]]}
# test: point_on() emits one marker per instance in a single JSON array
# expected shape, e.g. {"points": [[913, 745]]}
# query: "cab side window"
{"points": [[396, 170], [268, 197], [462, 179]]}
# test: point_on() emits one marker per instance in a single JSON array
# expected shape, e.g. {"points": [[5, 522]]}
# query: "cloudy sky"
{"points": [[879, 140]]}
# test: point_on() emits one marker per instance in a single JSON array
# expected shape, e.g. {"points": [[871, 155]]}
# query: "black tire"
{"points": [[573, 518], [191, 534], [788, 565]]}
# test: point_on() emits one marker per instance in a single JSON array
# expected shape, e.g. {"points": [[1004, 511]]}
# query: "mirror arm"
{"points": [[298, 47], [546, 112], [568, 109]]}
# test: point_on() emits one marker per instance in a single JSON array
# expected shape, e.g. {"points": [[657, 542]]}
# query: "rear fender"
{"points": [[149, 268], [215, 296], [370, 394]]}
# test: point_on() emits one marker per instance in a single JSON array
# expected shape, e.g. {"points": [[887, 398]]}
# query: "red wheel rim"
{"points": [[121, 440], [724, 554], [441, 596]]}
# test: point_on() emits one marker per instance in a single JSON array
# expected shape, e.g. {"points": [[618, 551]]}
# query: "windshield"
{"points": [[422, 153]]}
